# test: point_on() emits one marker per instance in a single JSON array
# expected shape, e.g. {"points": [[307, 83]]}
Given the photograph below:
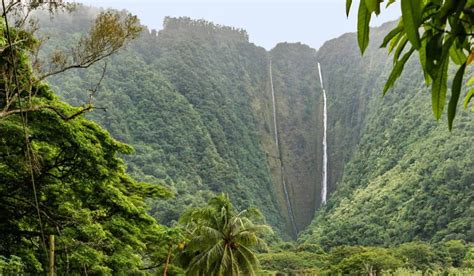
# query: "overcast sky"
{"points": [[267, 22]]}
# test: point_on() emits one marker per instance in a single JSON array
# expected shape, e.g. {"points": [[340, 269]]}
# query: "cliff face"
{"points": [[299, 119]]}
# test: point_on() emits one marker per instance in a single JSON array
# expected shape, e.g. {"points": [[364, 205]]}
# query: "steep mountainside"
{"points": [[195, 101], [406, 176]]}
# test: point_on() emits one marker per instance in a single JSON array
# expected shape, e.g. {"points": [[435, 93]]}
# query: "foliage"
{"points": [[417, 255], [456, 250], [223, 241], [193, 100], [292, 262], [183, 98], [446, 37], [413, 258], [64, 177], [372, 261], [404, 177], [109, 33], [11, 266]]}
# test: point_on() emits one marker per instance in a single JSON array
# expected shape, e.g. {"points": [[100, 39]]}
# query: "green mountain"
{"points": [[399, 174], [195, 101]]}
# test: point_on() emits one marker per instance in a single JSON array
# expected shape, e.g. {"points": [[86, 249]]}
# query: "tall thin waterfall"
{"points": [[324, 184], [274, 108], [277, 142]]}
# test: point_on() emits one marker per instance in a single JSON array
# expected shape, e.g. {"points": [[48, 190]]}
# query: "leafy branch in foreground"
{"points": [[109, 33], [441, 31]]}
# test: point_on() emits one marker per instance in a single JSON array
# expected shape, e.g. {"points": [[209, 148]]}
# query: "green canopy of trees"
{"points": [[61, 175]]}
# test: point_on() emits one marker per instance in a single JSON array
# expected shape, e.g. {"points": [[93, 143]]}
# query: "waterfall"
{"points": [[324, 184], [277, 142], [274, 108]]}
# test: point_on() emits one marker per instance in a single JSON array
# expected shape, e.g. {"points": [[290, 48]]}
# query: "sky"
{"points": [[267, 22]]}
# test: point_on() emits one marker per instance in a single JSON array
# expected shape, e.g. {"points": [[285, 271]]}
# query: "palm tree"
{"points": [[222, 241]]}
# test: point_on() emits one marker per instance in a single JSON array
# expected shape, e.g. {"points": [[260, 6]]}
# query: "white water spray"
{"points": [[324, 184], [277, 142]]}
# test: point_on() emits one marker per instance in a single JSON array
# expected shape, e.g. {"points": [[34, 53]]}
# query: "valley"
{"points": [[201, 116]]}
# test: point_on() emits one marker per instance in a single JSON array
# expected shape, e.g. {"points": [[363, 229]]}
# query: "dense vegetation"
{"points": [[62, 176], [194, 102], [415, 258], [408, 178]]}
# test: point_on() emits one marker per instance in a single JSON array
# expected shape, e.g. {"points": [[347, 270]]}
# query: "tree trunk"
{"points": [[165, 270], [51, 255]]}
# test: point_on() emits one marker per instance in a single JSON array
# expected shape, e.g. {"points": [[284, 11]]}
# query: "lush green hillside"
{"points": [[194, 100], [185, 100], [208, 112], [407, 177]]}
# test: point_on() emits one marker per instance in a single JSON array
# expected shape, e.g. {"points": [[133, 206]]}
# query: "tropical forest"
{"points": [[194, 148]]}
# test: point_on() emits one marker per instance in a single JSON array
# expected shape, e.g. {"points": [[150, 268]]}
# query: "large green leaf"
{"points": [[397, 70], [440, 86], [422, 55], [455, 92], [411, 16], [363, 29]]}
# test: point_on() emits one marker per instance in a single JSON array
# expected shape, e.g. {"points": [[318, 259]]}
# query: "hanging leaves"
{"points": [[455, 91], [411, 16], [446, 37], [363, 26]]}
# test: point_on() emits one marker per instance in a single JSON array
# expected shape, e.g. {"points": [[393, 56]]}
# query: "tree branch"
{"points": [[42, 107]]}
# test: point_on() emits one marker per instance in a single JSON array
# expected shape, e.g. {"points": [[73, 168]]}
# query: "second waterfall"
{"points": [[277, 142], [324, 184]]}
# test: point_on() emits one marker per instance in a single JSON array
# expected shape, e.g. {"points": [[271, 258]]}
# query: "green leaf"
{"points": [[391, 35], [411, 16], [446, 9], [455, 92], [457, 55], [363, 29], [348, 7], [434, 50], [468, 97], [439, 87], [390, 2], [373, 6], [400, 48], [422, 55], [471, 81], [397, 71], [394, 42]]}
